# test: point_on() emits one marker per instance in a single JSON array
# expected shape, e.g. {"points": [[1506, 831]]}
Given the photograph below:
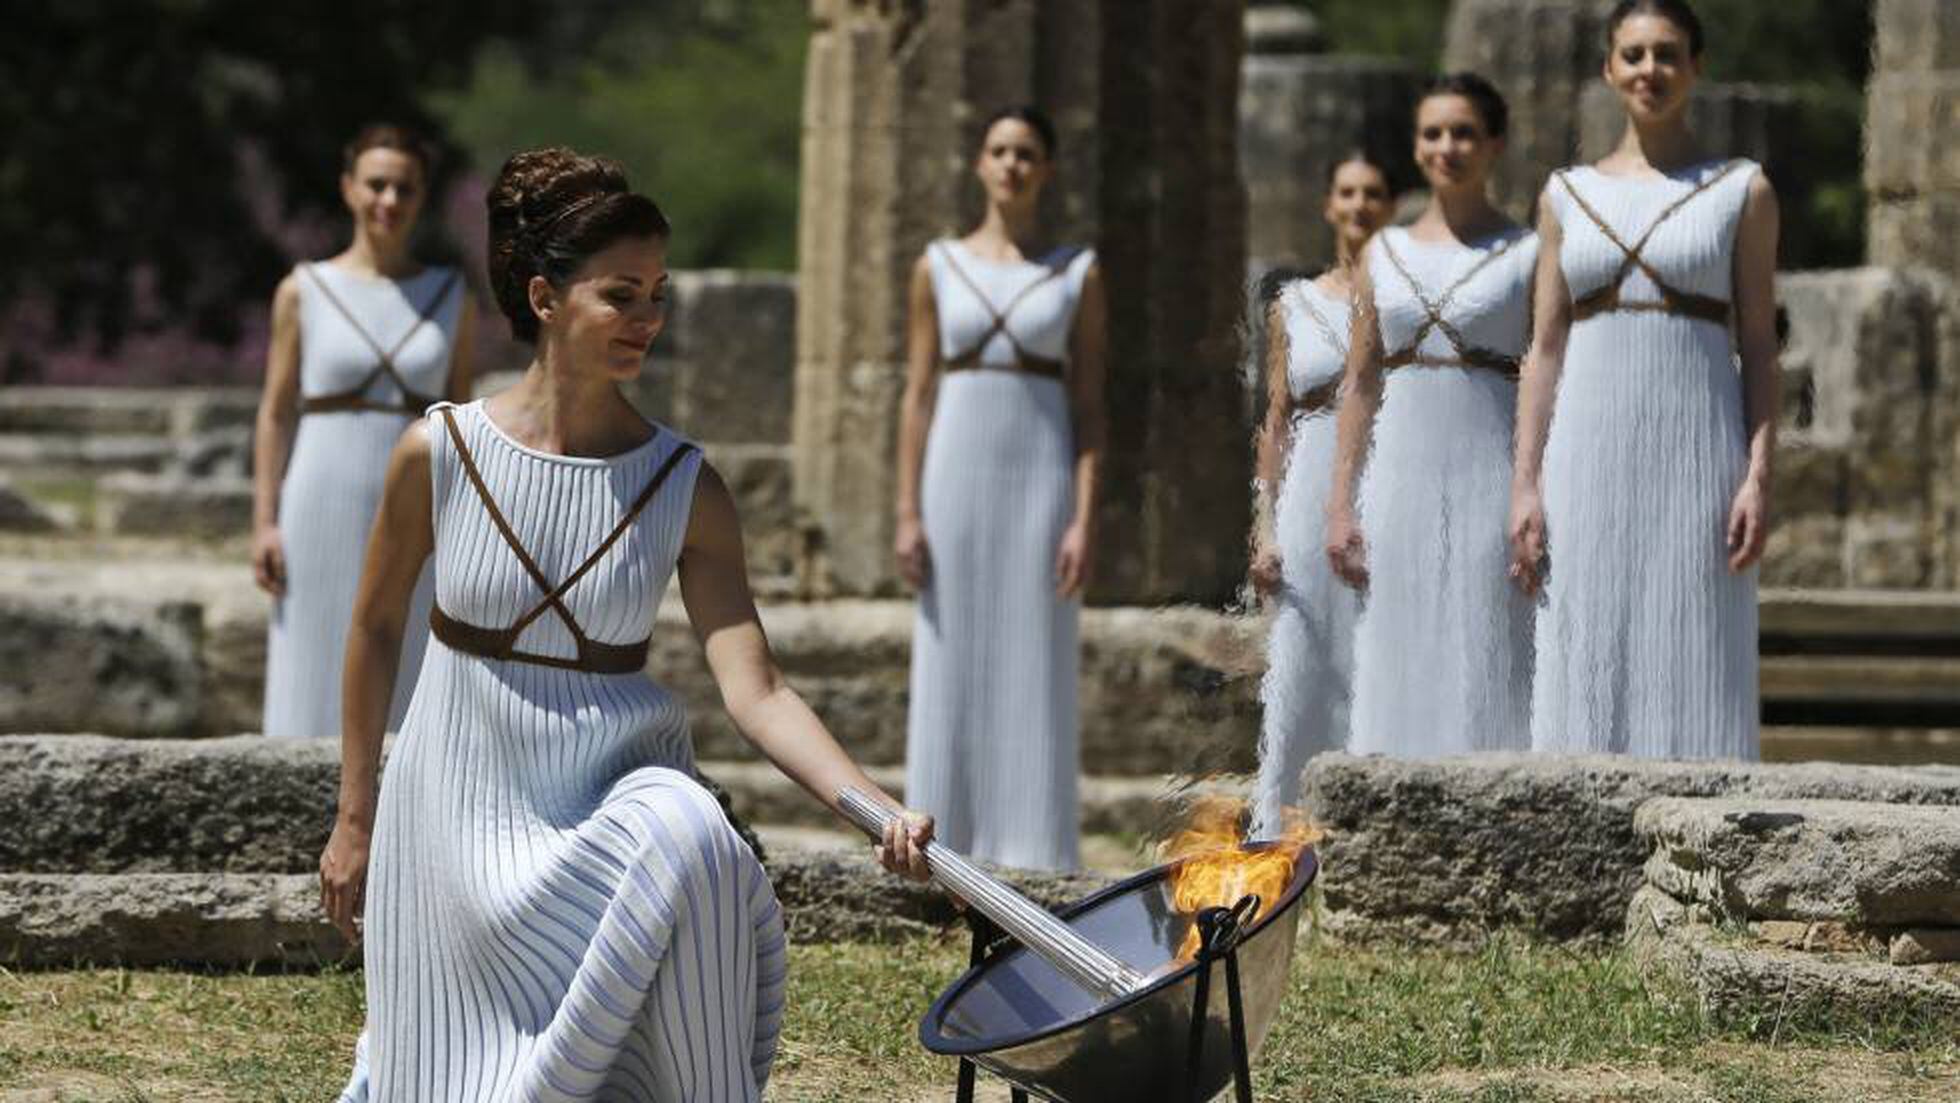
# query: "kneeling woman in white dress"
{"points": [[555, 907], [362, 343], [1643, 455], [1442, 652], [1310, 651], [1001, 430]]}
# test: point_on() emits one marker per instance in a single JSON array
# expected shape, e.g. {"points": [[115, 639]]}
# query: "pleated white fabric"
{"points": [[991, 740], [557, 909], [1443, 645], [332, 487], [1310, 652], [1647, 643]]}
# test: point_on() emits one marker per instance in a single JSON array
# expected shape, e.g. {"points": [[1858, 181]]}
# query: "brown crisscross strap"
{"points": [[1023, 359], [356, 397], [1467, 354], [594, 656], [1321, 397], [1607, 299]]}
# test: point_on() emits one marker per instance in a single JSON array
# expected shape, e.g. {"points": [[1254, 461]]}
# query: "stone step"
{"points": [[1862, 689], [86, 411], [1854, 622], [1852, 862], [42, 455], [1129, 807]]}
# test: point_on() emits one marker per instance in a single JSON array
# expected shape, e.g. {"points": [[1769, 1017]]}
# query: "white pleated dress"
{"points": [[991, 737], [1442, 650], [333, 481], [1647, 643], [556, 908], [1310, 652]]}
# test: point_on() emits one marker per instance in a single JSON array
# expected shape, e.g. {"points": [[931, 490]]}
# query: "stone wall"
{"points": [[1299, 113], [1145, 95], [1912, 136], [1864, 491], [1542, 55]]}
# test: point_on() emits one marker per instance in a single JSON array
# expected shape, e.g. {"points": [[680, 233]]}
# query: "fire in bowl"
{"points": [[1020, 1017]]}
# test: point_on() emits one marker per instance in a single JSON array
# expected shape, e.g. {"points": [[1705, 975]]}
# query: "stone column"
{"points": [[1145, 94], [1299, 112], [1912, 136], [1541, 54]]}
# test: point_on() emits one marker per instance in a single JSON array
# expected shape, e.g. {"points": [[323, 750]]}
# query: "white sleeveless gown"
{"points": [[1310, 651], [332, 487], [556, 909], [1647, 644], [991, 735], [1442, 650]]}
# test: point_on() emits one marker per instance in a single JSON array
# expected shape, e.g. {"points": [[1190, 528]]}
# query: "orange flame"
{"points": [[1219, 869]]}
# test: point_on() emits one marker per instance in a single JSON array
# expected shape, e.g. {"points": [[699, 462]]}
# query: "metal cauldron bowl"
{"points": [[1019, 1018]]}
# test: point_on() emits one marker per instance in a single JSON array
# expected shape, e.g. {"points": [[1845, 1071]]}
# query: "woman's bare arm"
{"points": [[1544, 362], [1361, 398], [1089, 419], [771, 715], [272, 439], [1755, 317], [1274, 438], [914, 420], [399, 543]]}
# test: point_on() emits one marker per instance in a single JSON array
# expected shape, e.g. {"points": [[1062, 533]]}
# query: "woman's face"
{"points": [[609, 312], [1651, 66], [383, 191], [1013, 163], [1454, 150], [1358, 203]]}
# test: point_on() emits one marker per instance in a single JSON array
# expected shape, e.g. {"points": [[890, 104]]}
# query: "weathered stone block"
{"points": [[19, 513], [1904, 109], [225, 920], [1447, 849], [724, 369], [211, 509], [1917, 35], [1738, 980], [131, 668], [1925, 946], [1850, 862]]}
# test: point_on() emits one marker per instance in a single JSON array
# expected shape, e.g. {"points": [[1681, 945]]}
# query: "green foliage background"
{"points": [[705, 116]]}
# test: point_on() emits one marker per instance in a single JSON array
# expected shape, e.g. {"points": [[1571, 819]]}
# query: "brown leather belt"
{"points": [[1681, 304], [594, 657], [412, 406], [1482, 359], [1030, 365]]}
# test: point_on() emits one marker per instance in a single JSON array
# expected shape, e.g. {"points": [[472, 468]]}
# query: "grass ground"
{"points": [[1512, 1024]]}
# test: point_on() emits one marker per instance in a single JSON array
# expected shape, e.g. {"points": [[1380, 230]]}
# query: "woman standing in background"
{"points": [[1000, 435], [1309, 656], [1442, 651], [362, 343], [1643, 461]]}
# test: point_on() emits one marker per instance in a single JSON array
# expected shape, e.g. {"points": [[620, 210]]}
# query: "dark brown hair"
{"points": [[1483, 96], [1360, 156], [1676, 12], [1036, 119], [551, 210], [385, 136]]}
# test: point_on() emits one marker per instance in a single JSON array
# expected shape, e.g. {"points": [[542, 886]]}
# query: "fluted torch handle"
{"points": [[1089, 965]]}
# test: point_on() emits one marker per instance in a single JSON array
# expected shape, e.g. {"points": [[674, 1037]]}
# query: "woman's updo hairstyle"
{"points": [[1036, 120], [550, 211], [1483, 96], [1676, 12]]}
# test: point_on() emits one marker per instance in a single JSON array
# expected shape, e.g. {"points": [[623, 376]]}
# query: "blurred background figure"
{"points": [[1000, 431], [362, 343], [1310, 650], [1442, 657], [1644, 457]]}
